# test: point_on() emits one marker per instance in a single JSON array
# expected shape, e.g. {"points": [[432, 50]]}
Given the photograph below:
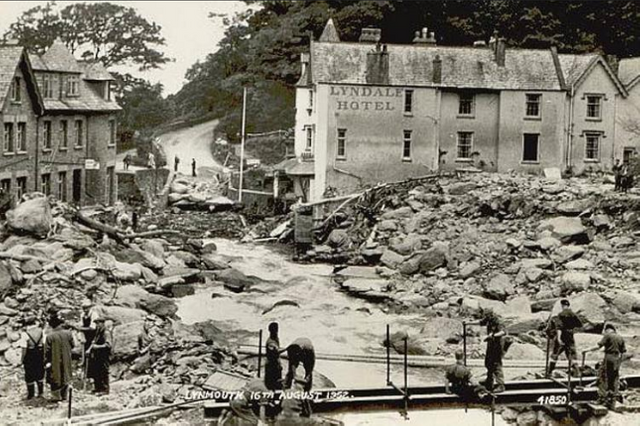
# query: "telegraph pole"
{"points": [[242, 137]]}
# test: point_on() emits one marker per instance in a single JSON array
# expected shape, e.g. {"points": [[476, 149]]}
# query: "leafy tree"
{"points": [[105, 32]]}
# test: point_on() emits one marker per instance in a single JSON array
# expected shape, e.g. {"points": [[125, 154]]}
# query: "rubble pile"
{"points": [[191, 194], [52, 258]]}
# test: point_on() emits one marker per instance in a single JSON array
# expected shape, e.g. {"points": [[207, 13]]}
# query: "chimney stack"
{"points": [[500, 51], [424, 37], [437, 70], [370, 35], [378, 65]]}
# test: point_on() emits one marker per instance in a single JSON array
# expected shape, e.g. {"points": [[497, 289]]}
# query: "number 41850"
{"points": [[552, 400]]}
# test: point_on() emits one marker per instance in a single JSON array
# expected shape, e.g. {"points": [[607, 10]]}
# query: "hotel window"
{"points": [[530, 148], [465, 145], [79, 134], [466, 104], [46, 135], [594, 107], [309, 138], [592, 147], [533, 105], [64, 134], [341, 148], [22, 186], [406, 145], [62, 186], [21, 139], [16, 95], [112, 132], [46, 184], [72, 85], [408, 101], [8, 138]]}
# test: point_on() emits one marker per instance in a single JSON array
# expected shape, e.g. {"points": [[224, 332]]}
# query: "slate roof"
{"points": [[628, 70], [95, 71], [9, 61], [330, 33], [462, 67], [89, 100], [574, 66], [59, 58]]}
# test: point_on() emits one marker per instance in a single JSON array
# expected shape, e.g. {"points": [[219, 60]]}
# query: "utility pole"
{"points": [[242, 136]]}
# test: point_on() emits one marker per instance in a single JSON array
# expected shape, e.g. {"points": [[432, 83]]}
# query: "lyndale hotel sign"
{"points": [[363, 98]]}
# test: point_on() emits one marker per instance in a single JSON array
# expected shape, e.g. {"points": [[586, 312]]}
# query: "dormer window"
{"points": [[15, 90], [72, 85]]}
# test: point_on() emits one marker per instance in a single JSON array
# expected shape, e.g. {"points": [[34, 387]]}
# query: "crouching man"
{"points": [[459, 381]]}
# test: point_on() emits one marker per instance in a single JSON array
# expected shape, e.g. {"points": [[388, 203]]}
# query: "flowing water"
{"points": [[334, 321]]}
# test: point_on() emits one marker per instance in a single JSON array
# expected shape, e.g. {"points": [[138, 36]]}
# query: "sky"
{"points": [[188, 31]]}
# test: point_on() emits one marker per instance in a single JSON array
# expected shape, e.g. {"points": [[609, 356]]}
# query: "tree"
{"points": [[105, 32]]}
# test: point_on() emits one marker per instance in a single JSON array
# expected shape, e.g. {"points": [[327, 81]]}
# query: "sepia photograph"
{"points": [[320, 212]]}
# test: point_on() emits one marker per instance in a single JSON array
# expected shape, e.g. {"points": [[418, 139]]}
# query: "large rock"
{"points": [[433, 258], [391, 259], [367, 288], [499, 287], [125, 340], [127, 271], [387, 225], [575, 281], [401, 213], [441, 328], [407, 245], [32, 216], [468, 269], [234, 280], [120, 314], [5, 278], [574, 207], [155, 247], [524, 351], [624, 301], [566, 229], [135, 297], [215, 261], [513, 308], [460, 188], [527, 323], [566, 253]]}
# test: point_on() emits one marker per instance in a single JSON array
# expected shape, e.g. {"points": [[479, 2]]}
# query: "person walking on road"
{"points": [[193, 167], [176, 162]]}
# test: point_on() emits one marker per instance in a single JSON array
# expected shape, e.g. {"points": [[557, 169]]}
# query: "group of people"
{"points": [[176, 163], [623, 176], [299, 352], [560, 336], [47, 353]]}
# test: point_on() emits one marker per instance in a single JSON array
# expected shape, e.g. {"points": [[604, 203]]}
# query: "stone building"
{"points": [[369, 112], [60, 129]]}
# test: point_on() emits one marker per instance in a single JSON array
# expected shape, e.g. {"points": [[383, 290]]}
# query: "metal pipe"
{"points": [[70, 401], [464, 341], [259, 352], [388, 356], [242, 137]]}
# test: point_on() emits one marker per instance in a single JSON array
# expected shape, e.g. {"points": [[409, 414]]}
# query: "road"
{"points": [[191, 143]]}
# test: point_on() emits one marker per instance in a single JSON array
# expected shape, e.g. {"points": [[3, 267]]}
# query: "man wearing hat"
{"points": [[609, 374], [565, 325], [98, 356], [272, 366], [32, 344], [58, 347]]}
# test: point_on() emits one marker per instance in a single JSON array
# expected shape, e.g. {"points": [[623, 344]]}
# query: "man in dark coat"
{"points": [[617, 168], [609, 374], [193, 167], [272, 366], [459, 380], [58, 347], [98, 355], [495, 352], [32, 344], [565, 325], [300, 351]]}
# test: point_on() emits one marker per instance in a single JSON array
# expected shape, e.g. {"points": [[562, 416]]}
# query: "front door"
{"points": [[77, 186]]}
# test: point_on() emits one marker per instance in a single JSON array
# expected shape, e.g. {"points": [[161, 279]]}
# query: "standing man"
{"points": [[58, 346], [151, 162], [300, 351], [32, 344], [176, 162], [127, 161], [495, 352], [566, 324], [193, 167], [98, 354], [609, 374], [616, 173], [88, 327], [272, 366]]}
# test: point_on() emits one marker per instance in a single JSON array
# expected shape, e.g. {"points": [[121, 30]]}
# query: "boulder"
{"points": [[367, 288], [135, 297], [601, 222], [120, 314], [155, 247], [574, 207], [535, 263], [32, 217], [566, 229], [516, 307], [179, 188], [125, 340], [441, 328], [215, 261], [566, 253], [524, 351], [548, 243], [575, 281], [460, 188], [527, 323], [127, 271], [391, 259], [5, 278], [579, 264], [401, 213], [407, 245], [387, 225], [468, 269], [234, 280], [624, 301], [433, 258], [499, 287]]}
